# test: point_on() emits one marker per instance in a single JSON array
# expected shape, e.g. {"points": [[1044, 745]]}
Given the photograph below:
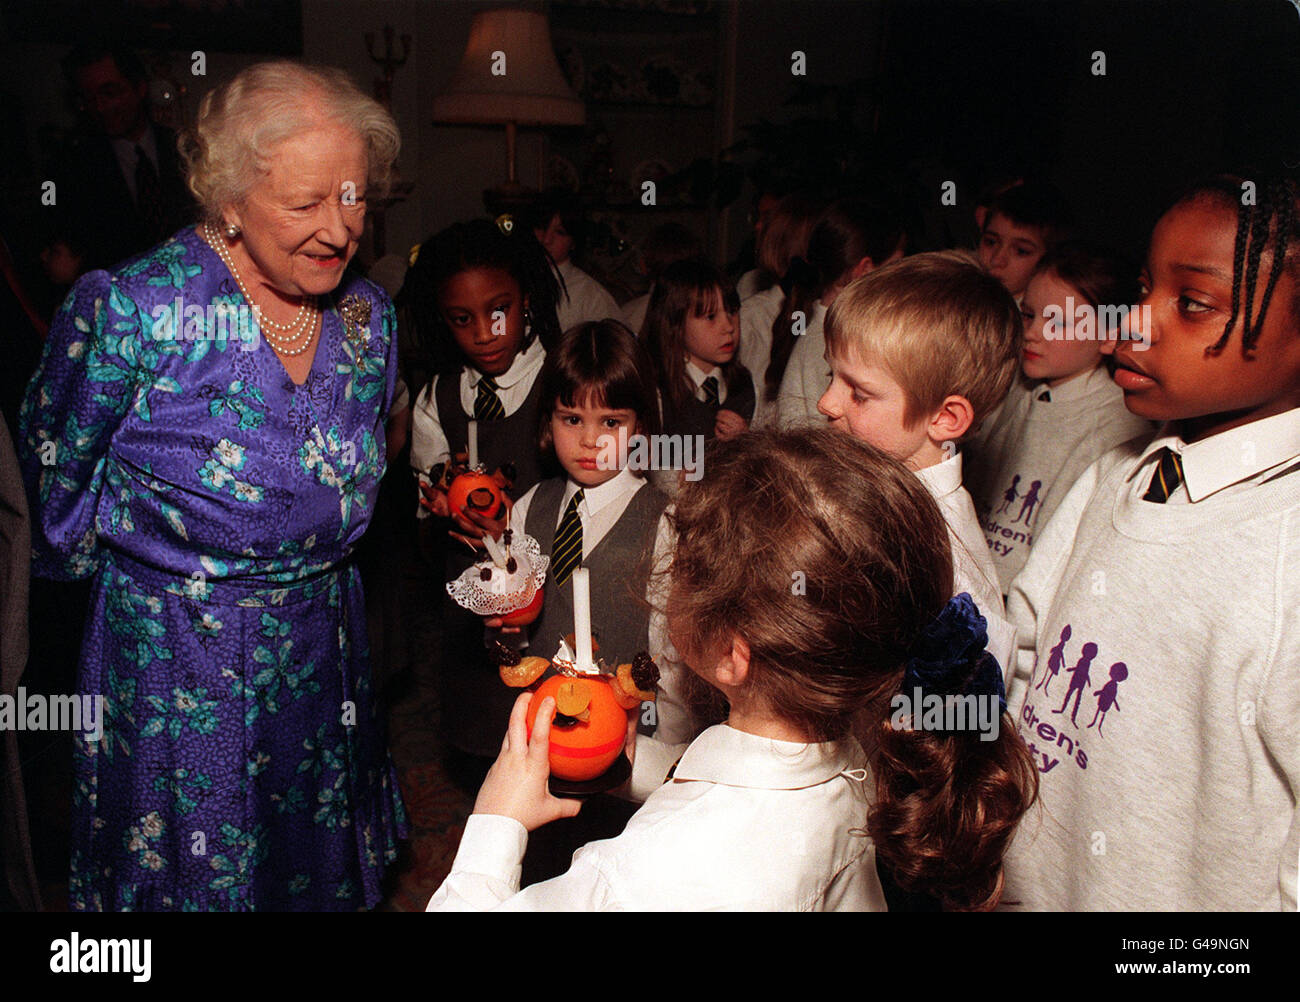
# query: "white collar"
{"points": [[126, 147], [624, 483], [524, 363], [730, 757], [698, 375], [1077, 387], [1231, 456], [943, 478]]}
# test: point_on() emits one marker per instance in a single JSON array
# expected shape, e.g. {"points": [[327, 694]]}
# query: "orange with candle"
{"points": [[591, 709]]}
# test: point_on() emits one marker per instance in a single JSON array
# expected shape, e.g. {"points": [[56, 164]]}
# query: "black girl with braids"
{"points": [[480, 297], [1193, 537], [1224, 261]]}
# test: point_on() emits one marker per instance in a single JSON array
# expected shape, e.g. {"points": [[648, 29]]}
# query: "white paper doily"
{"points": [[502, 593]]}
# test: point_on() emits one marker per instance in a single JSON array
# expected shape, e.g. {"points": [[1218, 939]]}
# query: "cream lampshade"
{"points": [[509, 76]]}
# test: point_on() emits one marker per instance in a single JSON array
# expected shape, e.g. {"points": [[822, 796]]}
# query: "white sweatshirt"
{"points": [[807, 377], [1024, 459], [583, 298], [757, 314], [1158, 682]]}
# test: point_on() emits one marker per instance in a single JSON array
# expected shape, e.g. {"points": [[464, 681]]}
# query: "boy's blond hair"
{"points": [[938, 323]]}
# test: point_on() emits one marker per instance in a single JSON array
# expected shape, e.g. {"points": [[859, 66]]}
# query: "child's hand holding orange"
{"points": [[515, 786], [432, 499], [474, 525]]}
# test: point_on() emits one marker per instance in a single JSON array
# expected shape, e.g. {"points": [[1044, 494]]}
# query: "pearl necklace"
{"points": [[303, 325]]}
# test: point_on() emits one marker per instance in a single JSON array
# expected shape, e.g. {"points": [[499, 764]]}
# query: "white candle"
{"points": [[473, 445], [582, 618], [495, 550]]}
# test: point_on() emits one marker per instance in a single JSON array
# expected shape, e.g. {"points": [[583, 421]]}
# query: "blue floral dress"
{"points": [[216, 504]]}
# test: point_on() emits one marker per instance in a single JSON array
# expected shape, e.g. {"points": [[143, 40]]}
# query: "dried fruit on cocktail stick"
{"points": [[572, 698], [523, 674]]}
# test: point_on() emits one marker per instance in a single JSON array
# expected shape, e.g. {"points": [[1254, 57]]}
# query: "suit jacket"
{"points": [[15, 561], [95, 204]]}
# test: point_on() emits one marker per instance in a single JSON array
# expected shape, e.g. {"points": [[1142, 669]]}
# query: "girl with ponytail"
{"points": [[811, 600]]}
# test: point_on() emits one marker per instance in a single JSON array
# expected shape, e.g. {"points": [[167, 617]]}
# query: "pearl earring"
{"points": [[231, 231]]}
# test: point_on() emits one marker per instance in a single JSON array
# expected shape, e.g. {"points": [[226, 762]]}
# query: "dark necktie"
{"points": [[148, 196], [566, 551], [487, 405], [711, 392], [1168, 475], [1045, 397]]}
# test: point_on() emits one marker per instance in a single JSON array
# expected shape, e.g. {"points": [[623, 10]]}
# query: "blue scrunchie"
{"points": [[949, 657]]}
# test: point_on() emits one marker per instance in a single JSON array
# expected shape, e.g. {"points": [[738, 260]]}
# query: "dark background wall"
{"points": [[966, 89]]}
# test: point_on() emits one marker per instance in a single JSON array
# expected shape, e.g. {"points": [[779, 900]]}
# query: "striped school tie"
{"points": [[1168, 475], [566, 551], [711, 392], [487, 405]]}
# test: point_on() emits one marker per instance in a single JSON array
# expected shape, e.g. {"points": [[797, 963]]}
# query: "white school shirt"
{"points": [[428, 443], [807, 377], [600, 509], [747, 824], [1177, 739], [750, 283], [698, 376], [583, 298], [634, 311], [757, 314], [972, 564]]}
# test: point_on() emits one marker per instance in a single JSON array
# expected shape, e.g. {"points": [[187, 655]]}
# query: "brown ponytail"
{"points": [[830, 558]]}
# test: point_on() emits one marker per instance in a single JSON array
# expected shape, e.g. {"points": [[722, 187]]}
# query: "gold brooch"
{"points": [[356, 318]]}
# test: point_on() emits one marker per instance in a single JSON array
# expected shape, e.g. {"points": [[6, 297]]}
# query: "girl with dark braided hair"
{"points": [[1178, 561], [480, 296]]}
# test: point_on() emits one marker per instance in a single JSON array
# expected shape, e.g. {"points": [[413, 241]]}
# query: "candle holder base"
{"points": [[616, 775]]}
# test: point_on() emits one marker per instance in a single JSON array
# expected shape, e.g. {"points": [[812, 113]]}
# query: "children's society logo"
{"points": [[39, 712], [946, 713], [653, 452], [1098, 323]]}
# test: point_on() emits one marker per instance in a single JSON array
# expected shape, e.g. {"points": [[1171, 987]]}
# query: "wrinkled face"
{"points": [[711, 338], [484, 308], [1187, 283], [303, 219], [1051, 351], [1010, 252], [866, 402], [115, 104], [582, 435], [556, 239]]}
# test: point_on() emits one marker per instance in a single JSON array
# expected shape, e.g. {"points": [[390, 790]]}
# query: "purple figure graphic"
{"points": [[1055, 662], [1031, 499], [1078, 681], [1009, 495], [1108, 696]]}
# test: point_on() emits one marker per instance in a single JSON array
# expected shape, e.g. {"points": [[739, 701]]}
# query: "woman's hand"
{"points": [[728, 425], [516, 784]]}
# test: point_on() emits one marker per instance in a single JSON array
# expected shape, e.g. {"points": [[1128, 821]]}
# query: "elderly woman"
{"points": [[205, 437]]}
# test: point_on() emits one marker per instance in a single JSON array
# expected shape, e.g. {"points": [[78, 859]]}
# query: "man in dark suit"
{"points": [[121, 188]]}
